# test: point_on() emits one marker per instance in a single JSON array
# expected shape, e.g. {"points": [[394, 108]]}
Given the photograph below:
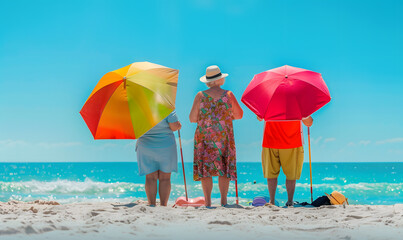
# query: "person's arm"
{"points": [[307, 121], [194, 113], [175, 126], [236, 108]]}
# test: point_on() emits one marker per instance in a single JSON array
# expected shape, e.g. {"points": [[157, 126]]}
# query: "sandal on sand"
{"points": [[287, 204], [262, 201]]}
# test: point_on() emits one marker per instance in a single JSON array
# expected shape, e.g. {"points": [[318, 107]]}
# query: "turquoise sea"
{"points": [[362, 183]]}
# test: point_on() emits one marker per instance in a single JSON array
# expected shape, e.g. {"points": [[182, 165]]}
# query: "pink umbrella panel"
{"points": [[286, 93]]}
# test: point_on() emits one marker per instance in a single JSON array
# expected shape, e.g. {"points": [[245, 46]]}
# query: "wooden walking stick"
{"points": [[310, 162], [183, 165]]}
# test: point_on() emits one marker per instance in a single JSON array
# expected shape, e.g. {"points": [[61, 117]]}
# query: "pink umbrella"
{"points": [[286, 93]]}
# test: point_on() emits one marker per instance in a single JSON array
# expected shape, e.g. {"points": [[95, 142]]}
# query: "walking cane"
{"points": [[310, 162], [183, 165], [195, 202]]}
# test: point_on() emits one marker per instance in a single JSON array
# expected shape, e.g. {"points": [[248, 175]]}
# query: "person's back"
{"points": [[160, 135], [214, 146], [215, 115], [214, 132], [282, 134], [157, 158], [283, 148]]}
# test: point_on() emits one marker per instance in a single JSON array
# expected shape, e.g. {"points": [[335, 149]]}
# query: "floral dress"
{"points": [[214, 145]]}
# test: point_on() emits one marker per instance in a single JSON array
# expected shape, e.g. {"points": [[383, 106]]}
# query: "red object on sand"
{"points": [[286, 93], [192, 202]]}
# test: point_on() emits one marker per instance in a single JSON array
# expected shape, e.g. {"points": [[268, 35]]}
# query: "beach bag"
{"points": [[336, 198], [320, 201]]}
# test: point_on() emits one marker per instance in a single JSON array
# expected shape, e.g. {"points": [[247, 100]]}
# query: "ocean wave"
{"points": [[66, 191], [69, 187], [93, 187], [369, 187], [328, 179]]}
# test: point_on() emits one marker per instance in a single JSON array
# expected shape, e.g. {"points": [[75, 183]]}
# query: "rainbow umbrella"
{"points": [[128, 102]]}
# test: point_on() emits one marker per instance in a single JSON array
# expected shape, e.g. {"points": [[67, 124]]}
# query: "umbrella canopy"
{"points": [[128, 102], [286, 93]]}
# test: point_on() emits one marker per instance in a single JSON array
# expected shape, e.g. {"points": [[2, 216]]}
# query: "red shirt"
{"points": [[282, 134]]}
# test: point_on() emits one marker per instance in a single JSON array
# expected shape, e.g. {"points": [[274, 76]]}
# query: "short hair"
{"points": [[218, 82]]}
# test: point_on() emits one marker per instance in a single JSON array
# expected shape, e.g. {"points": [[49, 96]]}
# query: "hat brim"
{"points": [[205, 80], [332, 201]]}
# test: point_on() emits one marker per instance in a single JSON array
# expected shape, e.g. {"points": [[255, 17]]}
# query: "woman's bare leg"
{"points": [[151, 187], [164, 187], [207, 185], [223, 184]]}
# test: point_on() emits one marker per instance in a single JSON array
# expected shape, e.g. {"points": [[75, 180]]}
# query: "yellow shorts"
{"points": [[289, 159]]}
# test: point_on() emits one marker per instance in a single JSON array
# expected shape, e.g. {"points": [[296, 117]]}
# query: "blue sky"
{"points": [[52, 54]]}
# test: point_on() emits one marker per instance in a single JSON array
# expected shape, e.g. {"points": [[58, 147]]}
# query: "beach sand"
{"points": [[106, 220]]}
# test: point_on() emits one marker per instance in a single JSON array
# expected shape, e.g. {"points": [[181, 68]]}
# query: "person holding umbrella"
{"points": [[138, 102], [282, 147], [157, 157], [214, 147], [284, 97]]}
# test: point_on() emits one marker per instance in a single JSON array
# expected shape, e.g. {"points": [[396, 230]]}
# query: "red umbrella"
{"points": [[287, 93]]}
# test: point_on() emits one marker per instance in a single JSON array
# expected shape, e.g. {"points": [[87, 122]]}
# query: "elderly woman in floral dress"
{"points": [[214, 147]]}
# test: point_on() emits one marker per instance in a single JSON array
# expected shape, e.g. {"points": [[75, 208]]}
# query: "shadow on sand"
{"points": [[233, 206], [129, 205]]}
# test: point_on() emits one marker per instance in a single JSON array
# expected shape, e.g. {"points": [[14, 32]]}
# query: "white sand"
{"points": [[41, 220]]}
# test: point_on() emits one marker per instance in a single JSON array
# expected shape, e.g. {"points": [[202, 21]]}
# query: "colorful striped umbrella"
{"points": [[128, 102]]}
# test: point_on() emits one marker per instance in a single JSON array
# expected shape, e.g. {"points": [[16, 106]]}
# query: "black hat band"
{"points": [[217, 75]]}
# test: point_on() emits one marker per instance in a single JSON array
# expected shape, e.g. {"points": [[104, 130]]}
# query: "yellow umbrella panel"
{"points": [[128, 102]]}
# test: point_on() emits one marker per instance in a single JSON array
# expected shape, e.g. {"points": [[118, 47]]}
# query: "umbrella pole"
{"points": [[310, 162], [236, 192], [183, 165]]}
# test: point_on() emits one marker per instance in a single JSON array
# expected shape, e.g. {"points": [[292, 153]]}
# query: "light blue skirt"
{"points": [[150, 160]]}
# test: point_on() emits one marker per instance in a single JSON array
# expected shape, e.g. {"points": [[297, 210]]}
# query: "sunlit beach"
{"points": [[201, 119]]}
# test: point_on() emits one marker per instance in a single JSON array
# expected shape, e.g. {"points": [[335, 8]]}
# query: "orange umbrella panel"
{"points": [[128, 102]]}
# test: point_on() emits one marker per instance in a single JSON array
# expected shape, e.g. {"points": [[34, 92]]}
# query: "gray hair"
{"points": [[218, 82]]}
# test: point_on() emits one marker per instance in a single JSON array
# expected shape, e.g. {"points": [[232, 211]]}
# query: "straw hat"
{"points": [[337, 198], [213, 73]]}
